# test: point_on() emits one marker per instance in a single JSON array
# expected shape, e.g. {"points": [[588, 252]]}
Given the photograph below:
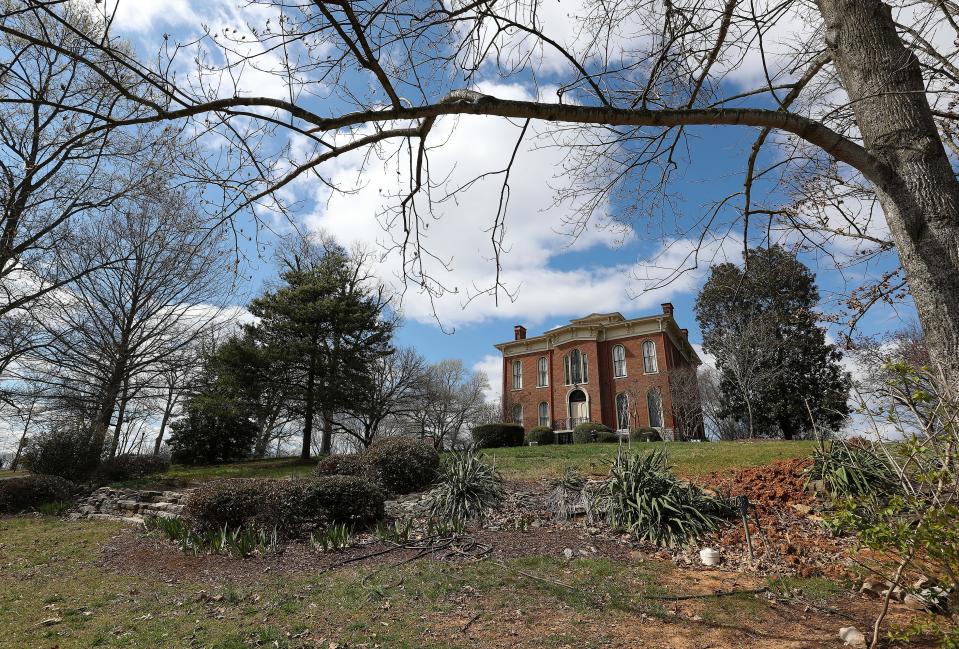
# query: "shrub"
{"points": [[607, 437], [645, 435], [356, 465], [588, 432], [541, 435], [293, 508], [230, 503], [130, 466], [498, 435], [211, 434], [403, 464], [852, 470], [31, 491], [642, 497], [468, 488], [67, 452]]}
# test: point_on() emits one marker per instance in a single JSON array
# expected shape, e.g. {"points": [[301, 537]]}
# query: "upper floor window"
{"points": [[544, 414], [577, 368], [619, 361], [542, 375], [517, 375], [650, 366], [622, 411], [518, 414]]}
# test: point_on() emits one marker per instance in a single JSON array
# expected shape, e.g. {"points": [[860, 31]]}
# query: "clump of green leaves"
{"points": [[852, 470], [334, 537], [644, 498], [467, 489], [237, 542]]}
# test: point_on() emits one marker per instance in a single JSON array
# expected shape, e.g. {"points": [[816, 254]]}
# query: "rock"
{"points": [[852, 637], [872, 587], [915, 602], [802, 509], [568, 553], [920, 583]]}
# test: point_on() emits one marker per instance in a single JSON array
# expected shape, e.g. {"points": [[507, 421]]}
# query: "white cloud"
{"points": [[492, 366]]}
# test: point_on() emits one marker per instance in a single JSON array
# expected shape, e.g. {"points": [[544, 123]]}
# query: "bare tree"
{"points": [[399, 385], [858, 98], [686, 400], [717, 424], [120, 325], [453, 401]]}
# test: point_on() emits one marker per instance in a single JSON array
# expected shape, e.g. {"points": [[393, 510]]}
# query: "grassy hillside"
{"points": [[536, 462]]}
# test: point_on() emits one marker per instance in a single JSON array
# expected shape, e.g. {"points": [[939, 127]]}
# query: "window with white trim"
{"points": [[650, 365], [518, 414], [622, 411], [542, 373], [544, 414], [576, 367], [517, 375], [619, 361]]}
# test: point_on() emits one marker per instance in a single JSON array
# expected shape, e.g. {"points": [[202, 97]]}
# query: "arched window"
{"points": [[518, 414], [544, 414], [619, 361], [517, 375], [622, 411], [542, 375], [654, 401], [650, 366], [577, 368]]}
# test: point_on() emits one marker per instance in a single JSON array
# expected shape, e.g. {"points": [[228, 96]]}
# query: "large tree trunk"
{"points": [[124, 399], [167, 412], [326, 441], [921, 202]]}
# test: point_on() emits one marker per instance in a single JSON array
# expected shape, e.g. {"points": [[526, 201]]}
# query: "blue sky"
{"points": [[553, 277]]}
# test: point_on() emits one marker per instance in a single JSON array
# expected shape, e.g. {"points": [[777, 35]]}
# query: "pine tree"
{"points": [[777, 371], [326, 324]]}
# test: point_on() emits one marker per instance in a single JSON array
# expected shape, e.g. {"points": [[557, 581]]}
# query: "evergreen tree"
{"points": [[777, 372], [326, 325]]}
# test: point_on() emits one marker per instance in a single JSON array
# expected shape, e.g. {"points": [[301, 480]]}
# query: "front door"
{"points": [[578, 411]]}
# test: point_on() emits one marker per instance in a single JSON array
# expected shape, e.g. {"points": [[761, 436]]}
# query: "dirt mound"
{"points": [[775, 485]]}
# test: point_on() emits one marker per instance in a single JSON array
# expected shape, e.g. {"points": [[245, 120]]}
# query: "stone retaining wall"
{"points": [[130, 505]]}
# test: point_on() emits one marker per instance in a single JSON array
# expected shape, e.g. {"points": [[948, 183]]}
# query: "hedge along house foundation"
{"points": [[601, 368]]}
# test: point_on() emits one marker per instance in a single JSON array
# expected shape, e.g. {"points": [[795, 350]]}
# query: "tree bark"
{"points": [[167, 412], [326, 441], [23, 439], [921, 202], [310, 408]]}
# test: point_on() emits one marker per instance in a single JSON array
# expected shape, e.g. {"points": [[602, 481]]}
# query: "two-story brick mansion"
{"points": [[601, 368]]}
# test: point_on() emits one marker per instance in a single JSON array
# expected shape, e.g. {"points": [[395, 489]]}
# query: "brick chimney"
{"points": [[667, 308], [519, 332]]}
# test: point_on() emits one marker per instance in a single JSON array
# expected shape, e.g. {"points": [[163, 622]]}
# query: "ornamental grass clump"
{"points": [[644, 498], [852, 470], [467, 489]]}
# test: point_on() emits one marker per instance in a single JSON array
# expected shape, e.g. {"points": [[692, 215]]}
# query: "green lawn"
{"points": [[58, 589], [532, 462]]}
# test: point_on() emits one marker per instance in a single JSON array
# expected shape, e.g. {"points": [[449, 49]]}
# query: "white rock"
{"points": [[568, 553], [852, 636], [710, 556]]}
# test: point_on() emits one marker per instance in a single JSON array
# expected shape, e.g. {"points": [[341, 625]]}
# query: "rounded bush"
{"points": [[30, 491], [65, 452], [541, 435], [607, 437], [355, 465], [130, 467], [645, 435], [588, 432], [403, 464], [498, 435], [294, 508]]}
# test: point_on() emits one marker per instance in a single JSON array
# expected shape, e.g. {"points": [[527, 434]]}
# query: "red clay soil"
{"points": [[789, 537]]}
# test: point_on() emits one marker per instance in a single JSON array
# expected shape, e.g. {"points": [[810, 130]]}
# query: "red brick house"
{"points": [[601, 368]]}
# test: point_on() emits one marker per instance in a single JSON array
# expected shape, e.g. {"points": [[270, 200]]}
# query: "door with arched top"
{"points": [[578, 408]]}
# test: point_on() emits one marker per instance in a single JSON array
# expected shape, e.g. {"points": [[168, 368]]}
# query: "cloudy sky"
{"points": [[551, 276]]}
